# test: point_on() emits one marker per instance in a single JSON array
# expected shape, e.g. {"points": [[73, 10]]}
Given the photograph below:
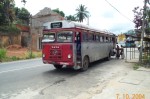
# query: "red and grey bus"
{"points": [[71, 44]]}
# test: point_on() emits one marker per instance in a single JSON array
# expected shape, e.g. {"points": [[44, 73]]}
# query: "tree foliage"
{"points": [[71, 18], [59, 12], [138, 17], [24, 1], [9, 30], [22, 15], [7, 14], [139, 14], [82, 13], [130, 32]]}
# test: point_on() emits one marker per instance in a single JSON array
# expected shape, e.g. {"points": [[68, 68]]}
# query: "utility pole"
{"points": [[143, 30], [30, 52], [88, 21]]}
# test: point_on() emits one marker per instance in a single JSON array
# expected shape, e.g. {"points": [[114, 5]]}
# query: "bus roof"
{"points": [[72, 24]]}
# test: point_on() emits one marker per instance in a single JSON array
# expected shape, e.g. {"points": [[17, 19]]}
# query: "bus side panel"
{"points": [[96, 50]]}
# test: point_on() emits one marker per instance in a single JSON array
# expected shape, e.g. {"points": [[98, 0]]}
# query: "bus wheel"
{"points": [[58, 66], [85, 64]]}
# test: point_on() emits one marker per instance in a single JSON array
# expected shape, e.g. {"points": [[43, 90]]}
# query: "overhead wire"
{"points": [[119, 11]]}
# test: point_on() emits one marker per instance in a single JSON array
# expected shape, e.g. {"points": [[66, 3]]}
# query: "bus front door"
{"points": [[78, 49]]}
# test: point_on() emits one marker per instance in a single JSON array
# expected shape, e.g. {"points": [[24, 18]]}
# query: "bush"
{"points": [[14, 58], [9, 30], [136, 66], [30, 55], [2, 54]]}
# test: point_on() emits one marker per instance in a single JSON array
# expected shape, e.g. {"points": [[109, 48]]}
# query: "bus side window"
{"points": [[93, 37], [90, 37], [106, 39], [103, 39], [110, 39], [97, 38], [85, 36]]}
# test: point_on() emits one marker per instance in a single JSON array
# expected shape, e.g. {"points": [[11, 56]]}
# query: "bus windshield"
{"points": [[50, 37], [65, 36]]}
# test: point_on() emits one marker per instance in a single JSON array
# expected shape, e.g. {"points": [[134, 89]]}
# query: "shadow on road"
{"points": [[72, 72], [98, 63], [62, 72]]}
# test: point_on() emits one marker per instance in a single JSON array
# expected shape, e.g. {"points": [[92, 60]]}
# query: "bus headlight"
{"points": [[43, 55], [69, 56]]}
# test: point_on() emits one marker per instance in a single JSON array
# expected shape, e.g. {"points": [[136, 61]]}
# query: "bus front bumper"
{"points": [[59, 63]]}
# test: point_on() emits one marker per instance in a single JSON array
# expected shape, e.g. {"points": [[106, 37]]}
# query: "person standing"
{"points": [[117, 52], [122, 52]]}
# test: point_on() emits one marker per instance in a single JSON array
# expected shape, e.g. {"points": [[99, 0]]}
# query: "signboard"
{"points": [[56, 25]]}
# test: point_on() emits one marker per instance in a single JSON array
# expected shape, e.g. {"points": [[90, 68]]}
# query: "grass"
{"points": [[28, 55], [136, 66], [2, 54], [9, 59]]}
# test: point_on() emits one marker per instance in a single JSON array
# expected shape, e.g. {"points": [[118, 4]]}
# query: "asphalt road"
{"points": [[31, 79], [16, 76]]}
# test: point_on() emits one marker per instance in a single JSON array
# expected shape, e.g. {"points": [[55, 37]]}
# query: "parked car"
{"points": [[122, 43]]}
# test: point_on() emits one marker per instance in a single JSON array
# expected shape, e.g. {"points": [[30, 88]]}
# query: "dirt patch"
{"points": [[21, 52], [13, 47], [18, 51]]}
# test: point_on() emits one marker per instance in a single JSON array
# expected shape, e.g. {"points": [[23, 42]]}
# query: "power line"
{"points": [[118, 11]]}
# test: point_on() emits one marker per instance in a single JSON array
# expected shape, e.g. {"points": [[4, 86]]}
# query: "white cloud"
{"points": [[103, 16]]}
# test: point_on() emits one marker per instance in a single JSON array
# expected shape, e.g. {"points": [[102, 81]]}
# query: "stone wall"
{"points": [[6, 40]]}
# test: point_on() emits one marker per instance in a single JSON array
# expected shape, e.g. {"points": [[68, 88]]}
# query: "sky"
{"points": [[102, 15]]}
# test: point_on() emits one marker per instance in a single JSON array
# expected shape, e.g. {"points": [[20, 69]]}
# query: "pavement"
{"points": [[135, 85]]}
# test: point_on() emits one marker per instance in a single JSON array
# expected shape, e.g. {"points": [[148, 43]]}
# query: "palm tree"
{"points": [[82, 13], [24, 1]]}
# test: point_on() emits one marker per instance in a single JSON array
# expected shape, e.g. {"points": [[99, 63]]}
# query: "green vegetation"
{"points": [[9, 30], [7, 14], [14, 58], [146, 58], [28, 55], [72, 18], [59, 12], [9, 17], [32, 54], [22, 16], [82, 13], [2, 54], [136, 66]]}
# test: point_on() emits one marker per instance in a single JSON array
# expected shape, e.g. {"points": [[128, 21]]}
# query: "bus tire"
{"points": [[58, 66], [85, 64]]}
